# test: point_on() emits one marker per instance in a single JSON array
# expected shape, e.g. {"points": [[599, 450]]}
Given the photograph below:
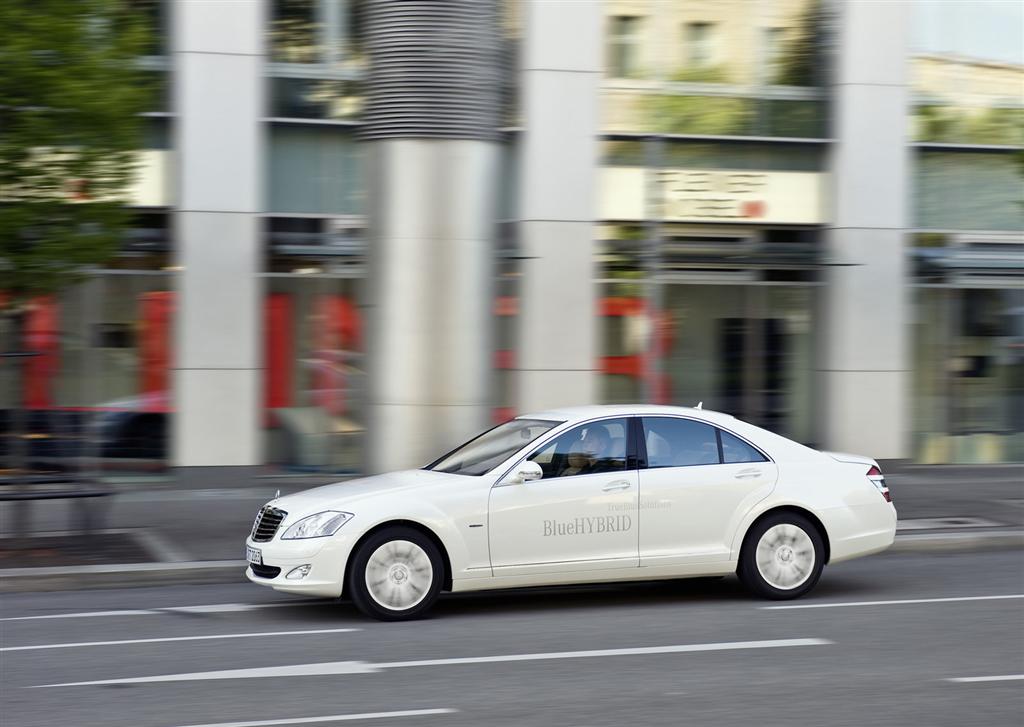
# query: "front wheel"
{"points": [[396, 575], [782, 557]]}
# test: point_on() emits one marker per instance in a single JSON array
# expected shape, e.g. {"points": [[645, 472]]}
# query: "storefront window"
{"points": [[314, 344], [710, 256], [705, 315], [506, 314], [96, 386], [969, 375], [315, 333]]}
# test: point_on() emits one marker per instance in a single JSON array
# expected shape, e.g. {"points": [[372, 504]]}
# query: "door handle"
{"points": [[747, 474], [617, 485]]}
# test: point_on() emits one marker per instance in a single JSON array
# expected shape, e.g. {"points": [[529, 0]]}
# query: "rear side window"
{"points": [[735, 450], [673, 442]]}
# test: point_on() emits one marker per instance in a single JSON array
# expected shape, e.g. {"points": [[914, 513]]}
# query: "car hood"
{"points": [[340, 494]]}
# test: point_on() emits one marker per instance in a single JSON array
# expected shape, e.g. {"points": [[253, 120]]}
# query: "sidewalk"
{"points": [[193, 533]]}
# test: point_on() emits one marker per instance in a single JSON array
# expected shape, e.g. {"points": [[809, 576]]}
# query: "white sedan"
{"points": [[579, 495]]}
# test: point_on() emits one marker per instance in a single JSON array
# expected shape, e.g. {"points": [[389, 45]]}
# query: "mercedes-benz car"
{"points": [[579, 495]]}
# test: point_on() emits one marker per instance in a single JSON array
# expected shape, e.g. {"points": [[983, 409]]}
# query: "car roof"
{"points": [[581, 413]]}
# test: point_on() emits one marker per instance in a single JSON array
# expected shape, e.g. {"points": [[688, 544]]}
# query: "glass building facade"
{"points": [[715, 129], [714, 178], [967, 76]]}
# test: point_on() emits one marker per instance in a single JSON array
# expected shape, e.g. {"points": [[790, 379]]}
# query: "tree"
{"points": [[71, 95]]}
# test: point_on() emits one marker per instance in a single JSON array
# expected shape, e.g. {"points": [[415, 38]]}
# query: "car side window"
{"points": [[674, 442], [735, 450], [590, 448]]}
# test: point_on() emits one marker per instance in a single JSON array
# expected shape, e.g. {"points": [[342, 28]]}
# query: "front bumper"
{"points": [[325, 556]]}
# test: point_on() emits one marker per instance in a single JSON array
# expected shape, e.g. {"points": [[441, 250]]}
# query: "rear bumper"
{"points": [[862, 530]]}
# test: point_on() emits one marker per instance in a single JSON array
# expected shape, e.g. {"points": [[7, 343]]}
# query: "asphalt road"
{"points": [[682, 653]]}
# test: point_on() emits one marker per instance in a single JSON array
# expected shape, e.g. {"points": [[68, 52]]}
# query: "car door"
{"points": [[581, 515], [696, 483]]}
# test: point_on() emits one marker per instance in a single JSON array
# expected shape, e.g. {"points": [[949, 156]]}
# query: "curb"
{"points": [[20, 580], [958, 542]]}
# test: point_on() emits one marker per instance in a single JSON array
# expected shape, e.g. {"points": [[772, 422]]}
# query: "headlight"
{"points": [[317, 526]]}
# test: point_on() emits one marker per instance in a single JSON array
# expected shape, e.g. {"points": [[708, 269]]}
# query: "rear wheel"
{"points": [[396, 574], [782, 557]]}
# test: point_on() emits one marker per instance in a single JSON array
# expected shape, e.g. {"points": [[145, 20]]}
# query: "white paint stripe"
{"points": [[173, 638], [681, 648], [331, 718], [1000, 678], [890, 603], [211, 608], [334, 668], [88, 614]]}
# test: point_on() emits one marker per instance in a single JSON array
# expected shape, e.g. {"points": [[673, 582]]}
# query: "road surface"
{"points": [[888, 640]]}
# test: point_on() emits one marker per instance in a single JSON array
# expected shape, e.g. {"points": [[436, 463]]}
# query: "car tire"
{"points": [[396, 574], [782, 557]]}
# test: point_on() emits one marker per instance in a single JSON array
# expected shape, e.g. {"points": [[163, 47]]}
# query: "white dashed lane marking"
{"points": [[123, 642], [331, 718], [901, 602], [999, 678], [336, 668], [210, 608]]}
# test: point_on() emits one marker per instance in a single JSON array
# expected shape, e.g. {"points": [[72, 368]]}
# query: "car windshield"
{"points": [[485, 452]]}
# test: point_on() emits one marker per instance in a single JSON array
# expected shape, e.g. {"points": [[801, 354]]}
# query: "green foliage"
{"points": [[956, 125], [802, 60], [711, 115], [70, 97], [709, 74]]}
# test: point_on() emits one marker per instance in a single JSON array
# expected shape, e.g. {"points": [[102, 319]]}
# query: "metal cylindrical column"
{"points": [[431, 147]]}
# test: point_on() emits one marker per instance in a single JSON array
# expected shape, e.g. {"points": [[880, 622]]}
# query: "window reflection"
{"points": [[96, 388], [314, 343], [967, 72], [969, 375], [730, 69], [293, 32]]}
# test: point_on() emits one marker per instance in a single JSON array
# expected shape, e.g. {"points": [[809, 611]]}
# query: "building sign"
{"points": [[154, 182], [712, 195], [152, 185]]}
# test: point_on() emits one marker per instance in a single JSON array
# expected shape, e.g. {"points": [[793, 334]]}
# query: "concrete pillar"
{"points": [[430, 132], [864, 322], [560, 87], [218, 67]]}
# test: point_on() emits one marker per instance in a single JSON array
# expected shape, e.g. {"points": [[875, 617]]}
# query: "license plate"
{"points": [[253, 555]]}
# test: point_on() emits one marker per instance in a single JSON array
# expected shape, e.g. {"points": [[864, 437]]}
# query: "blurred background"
{"points": [[347, 234], [252, 246]]}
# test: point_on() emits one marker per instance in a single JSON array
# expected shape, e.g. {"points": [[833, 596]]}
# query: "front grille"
{"points": [[268, 519], [265, 571]]}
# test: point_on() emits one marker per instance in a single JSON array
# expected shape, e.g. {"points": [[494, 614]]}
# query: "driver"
{"points": [[597, 446]]}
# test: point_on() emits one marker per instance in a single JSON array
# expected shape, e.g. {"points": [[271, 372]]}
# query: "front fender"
{"points": [[458, 520]]}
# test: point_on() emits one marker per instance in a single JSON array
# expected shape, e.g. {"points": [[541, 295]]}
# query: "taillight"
{"points": [[878, 480]]}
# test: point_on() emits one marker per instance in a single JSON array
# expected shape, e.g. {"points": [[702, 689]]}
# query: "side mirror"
{"points": [[525, 472]]}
